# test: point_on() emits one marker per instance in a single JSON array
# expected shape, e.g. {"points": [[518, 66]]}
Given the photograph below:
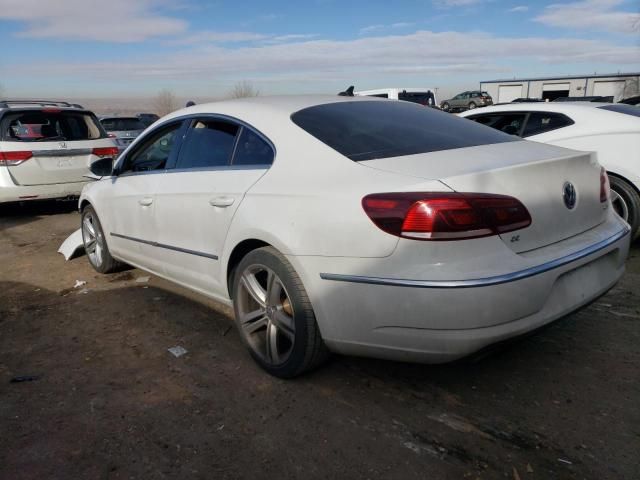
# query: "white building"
{"points": [[617, 85]]}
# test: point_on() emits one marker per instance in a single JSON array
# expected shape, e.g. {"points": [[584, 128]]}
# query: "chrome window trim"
{"points": [[166, 247], [482, 282]]}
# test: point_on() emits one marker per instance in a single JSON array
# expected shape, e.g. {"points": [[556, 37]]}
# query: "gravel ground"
{"points": [[110, 402]]}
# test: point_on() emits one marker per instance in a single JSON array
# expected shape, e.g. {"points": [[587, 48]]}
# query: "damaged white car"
{"points": [[357, 225]]}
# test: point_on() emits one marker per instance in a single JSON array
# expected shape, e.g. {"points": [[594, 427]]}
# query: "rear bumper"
{"points": [[434, 322], [10, 192]]}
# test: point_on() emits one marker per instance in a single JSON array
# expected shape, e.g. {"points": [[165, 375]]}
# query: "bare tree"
{"points": [[165, 102], [243, 89]]}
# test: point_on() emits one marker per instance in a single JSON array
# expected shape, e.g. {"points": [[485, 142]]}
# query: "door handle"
{"points": [[145, 201], [222, 202]]}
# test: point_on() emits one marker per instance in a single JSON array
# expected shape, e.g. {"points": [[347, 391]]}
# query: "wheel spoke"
{"points": [[89, 227], [98, 253], [274, 289], [271, 343], [254, 289], [90, 246], [253, 321], [284, 324]]}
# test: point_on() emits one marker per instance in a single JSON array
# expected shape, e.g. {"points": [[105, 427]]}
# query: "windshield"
{"points": [[368, 130], [121, 124], [42, 126], [623, 108]]}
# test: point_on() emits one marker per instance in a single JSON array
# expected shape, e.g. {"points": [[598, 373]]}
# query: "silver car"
{"points": [[123, 130], [467, 101]]}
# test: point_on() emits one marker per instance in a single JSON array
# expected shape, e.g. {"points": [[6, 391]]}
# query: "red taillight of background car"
{"points": [[445, 216], [105, 151], [604, 186], [11, 159]]}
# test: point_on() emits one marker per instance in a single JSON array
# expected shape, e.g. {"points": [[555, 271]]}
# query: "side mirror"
{"points": [[102, 167]]}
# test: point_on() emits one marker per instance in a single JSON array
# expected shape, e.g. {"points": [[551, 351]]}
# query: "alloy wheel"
{"points": [[266, 314], [93, 239], [620, 205]]}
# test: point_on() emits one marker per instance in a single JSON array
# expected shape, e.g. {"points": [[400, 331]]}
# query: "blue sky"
{"points": [[93, 48]]}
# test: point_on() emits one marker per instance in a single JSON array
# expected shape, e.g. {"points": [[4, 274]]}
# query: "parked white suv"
{"points": [[422, 95], [46, 149]]}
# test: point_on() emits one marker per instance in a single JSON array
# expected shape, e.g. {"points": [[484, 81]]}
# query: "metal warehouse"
{"points": [[617, 85]]}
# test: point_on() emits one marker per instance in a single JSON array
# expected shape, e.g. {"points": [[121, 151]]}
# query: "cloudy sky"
{"points": [[97, 48]]}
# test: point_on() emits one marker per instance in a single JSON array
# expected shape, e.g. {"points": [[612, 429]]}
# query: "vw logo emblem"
{"points": [[569, 195], [62, 144]]}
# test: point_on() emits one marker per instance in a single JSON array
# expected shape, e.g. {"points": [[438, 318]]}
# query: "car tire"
{"points": [[446, 107], [472, 105], [626, 202], [274, 316], [95, 243]]}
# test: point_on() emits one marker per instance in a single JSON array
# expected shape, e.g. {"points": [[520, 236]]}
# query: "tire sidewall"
{"points": [[302, 317], [631, 198], [446, 107], [472, 106]]}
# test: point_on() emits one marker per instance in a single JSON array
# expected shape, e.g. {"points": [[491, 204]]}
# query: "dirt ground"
{"points": [[110, 402]]}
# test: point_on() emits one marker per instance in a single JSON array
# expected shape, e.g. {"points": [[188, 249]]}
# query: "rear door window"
{"points": [[366, 130], [209, 143], [541, 122], [252, 149], [50, 126], [510, 123]]}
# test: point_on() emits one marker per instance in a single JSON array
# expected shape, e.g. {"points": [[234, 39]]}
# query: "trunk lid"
{"points": [[534, 173]]}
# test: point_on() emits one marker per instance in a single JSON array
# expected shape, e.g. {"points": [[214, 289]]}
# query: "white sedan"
{"points": [[611, 130], [359, 226]]}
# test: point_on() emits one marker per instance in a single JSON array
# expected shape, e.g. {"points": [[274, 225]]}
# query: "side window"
{"points": [[153, 153], [252, 150], [510, 123], [541, 122], [209, 143], [379, 95]]}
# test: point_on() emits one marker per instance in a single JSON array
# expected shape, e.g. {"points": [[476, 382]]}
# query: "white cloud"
{"points": [[591, 15], [381, 27], [112, 21], [442, 53], [520, 8], [207, 37]]}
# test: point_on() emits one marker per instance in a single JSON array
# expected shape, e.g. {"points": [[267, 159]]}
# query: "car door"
{"points": [[131, 223], [218, 162]]}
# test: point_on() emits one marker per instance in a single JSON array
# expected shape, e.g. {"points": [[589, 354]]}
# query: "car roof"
{"points": [[279, 105]]}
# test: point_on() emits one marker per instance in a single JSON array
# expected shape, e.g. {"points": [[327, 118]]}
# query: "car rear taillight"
{"points": [[604, 186], [105, 151], [11, 159], [445, 216], [111, 135]]}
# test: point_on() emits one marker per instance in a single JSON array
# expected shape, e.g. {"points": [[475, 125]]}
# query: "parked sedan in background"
{"points": [[467, 101], [358, 225], [611, 130], [46, 149], [123, 129]]}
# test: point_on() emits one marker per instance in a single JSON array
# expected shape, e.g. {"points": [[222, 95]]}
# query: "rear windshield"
{"points": [[122, 124], [368, 130], [42, 126], [623, 108]]}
